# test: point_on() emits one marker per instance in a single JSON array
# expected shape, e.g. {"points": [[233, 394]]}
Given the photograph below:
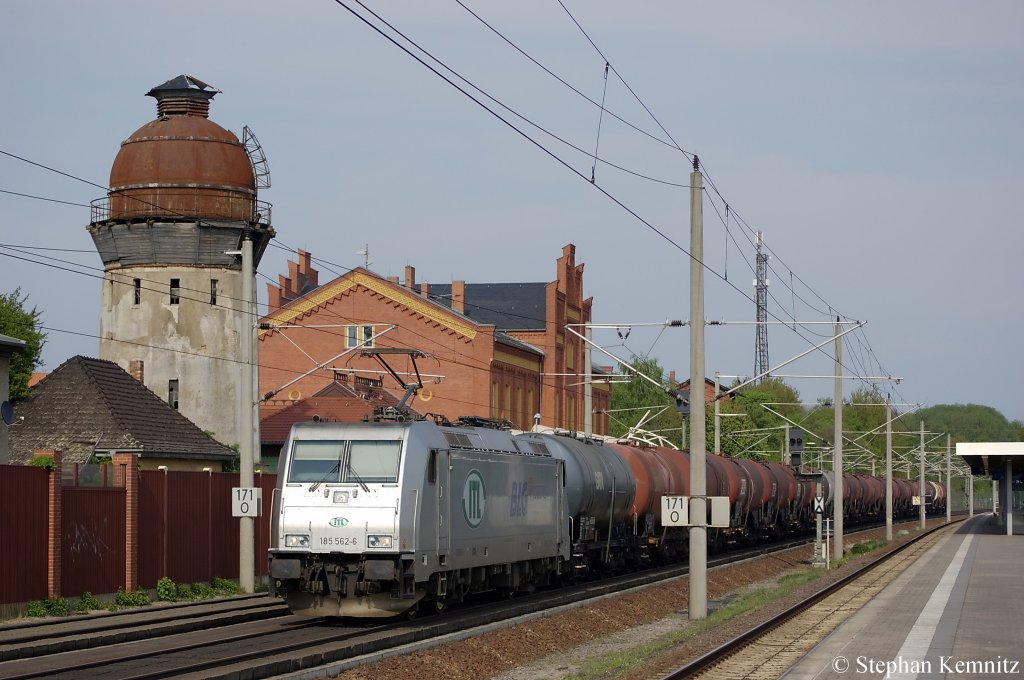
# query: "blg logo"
{"points": [[474, 498]]}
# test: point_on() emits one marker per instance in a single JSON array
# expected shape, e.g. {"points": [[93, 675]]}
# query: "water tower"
{"points": [[183, 195]]}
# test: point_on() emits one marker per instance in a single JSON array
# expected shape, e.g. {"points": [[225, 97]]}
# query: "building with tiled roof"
{"points": [[92, 407], [498, 350], [341, 401]]}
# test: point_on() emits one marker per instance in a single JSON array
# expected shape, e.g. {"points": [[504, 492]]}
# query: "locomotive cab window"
{"points": [[351, 462]]}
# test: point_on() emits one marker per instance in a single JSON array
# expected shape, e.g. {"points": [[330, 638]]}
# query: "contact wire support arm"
{"points": [[410, 388]]}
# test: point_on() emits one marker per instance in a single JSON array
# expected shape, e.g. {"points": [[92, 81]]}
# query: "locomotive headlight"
{"points": [[378, 541], [296, 540], [341, 496]]}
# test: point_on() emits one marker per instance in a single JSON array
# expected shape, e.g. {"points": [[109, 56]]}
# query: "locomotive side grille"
{"points": [[458, 439]]}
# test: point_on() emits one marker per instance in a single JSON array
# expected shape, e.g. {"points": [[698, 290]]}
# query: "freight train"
{"points": [[378, 519]]}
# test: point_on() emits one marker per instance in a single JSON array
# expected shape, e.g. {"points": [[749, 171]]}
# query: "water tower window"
{"points": [[175, 291], [172, 394], [367, 336], [138, 291], [213, 291], [351, 336]]}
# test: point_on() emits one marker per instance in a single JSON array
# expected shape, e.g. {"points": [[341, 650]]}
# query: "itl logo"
{"points": [[338, 522], [474, 498]]}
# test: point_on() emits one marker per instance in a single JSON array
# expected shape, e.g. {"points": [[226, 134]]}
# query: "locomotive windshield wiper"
{"points": [[348, 468], [323, 479]]}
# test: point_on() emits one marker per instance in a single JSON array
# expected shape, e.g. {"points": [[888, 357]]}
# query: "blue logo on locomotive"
{"points": [[519, 496], [474, 499], [338, 522]]}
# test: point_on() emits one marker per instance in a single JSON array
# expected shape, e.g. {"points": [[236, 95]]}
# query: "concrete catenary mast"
{"points": [[182, 198]]}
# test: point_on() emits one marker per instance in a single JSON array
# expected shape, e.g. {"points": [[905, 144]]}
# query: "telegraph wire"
{"points": [[600, 119], [560, 79], [687, 154], [42, 198]]}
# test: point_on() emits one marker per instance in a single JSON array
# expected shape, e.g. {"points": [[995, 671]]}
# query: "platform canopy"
{"points": [[987, 459]]}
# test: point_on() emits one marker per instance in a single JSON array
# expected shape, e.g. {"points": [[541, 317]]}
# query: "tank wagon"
{"points": [[376, 519]]}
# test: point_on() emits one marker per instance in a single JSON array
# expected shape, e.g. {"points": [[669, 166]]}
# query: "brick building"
{"points": [[493, 349]]}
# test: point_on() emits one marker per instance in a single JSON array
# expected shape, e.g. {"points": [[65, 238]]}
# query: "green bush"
{"points": [[136, 598], [224, 586], [87, 602], [45, 462], [57, 606], [187, 592], [35, 609], [166, 591], [203, 591]]}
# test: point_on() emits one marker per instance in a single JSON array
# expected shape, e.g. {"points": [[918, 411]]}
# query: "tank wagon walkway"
{"points": [[954, 613]]}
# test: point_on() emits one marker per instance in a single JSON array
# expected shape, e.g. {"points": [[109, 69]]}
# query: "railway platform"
{"points": [[955, 613]]}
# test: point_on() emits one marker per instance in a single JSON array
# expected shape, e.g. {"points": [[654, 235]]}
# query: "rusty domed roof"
{"points": [[182, 162]]}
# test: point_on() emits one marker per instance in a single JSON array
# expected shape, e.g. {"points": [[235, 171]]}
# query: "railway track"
{"points": [[256, 637], [772, 647]]}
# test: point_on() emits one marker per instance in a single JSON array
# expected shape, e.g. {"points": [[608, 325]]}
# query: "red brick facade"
{"points": [[126, 475], [53, 521], [470, 368]]}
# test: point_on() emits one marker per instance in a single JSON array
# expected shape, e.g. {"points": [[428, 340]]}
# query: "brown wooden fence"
{"points": [[23, 539], [65, 541], [186, 531], [92, 540]]}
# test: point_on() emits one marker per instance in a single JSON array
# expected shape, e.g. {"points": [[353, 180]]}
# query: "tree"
{"points": [[971, 423], [640, 396], [18, 322], [761, 432]]}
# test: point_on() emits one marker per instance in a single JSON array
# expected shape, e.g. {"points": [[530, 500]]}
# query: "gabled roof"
{"points": [[91, 405], [507, 306], [428, 308]]}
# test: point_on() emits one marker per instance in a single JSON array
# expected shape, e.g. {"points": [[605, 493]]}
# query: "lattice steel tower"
{"points": [[761, 283]]}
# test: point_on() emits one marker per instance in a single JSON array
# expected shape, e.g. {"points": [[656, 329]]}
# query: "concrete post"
{"points": [[718, 416], [837, 451], [888, 470], [920, 484], [970, 495], [949, 488], [588, 386], [698, 580], [54, 519], [246, 527], [1008, 503]]}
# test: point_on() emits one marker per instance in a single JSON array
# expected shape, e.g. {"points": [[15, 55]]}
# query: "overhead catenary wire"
{"points": [[630, 211]]}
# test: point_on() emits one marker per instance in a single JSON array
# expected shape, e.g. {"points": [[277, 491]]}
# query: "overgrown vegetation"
{"points": [[87, 602], [135, 598], [45, 462], [169, 591], [166, 591]]}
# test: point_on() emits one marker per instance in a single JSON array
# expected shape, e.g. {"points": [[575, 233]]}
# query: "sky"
{"points": [[876, 145]]}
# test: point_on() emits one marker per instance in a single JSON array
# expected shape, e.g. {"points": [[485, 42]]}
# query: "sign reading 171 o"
{"points": [[474, 499], [246, 502]]}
